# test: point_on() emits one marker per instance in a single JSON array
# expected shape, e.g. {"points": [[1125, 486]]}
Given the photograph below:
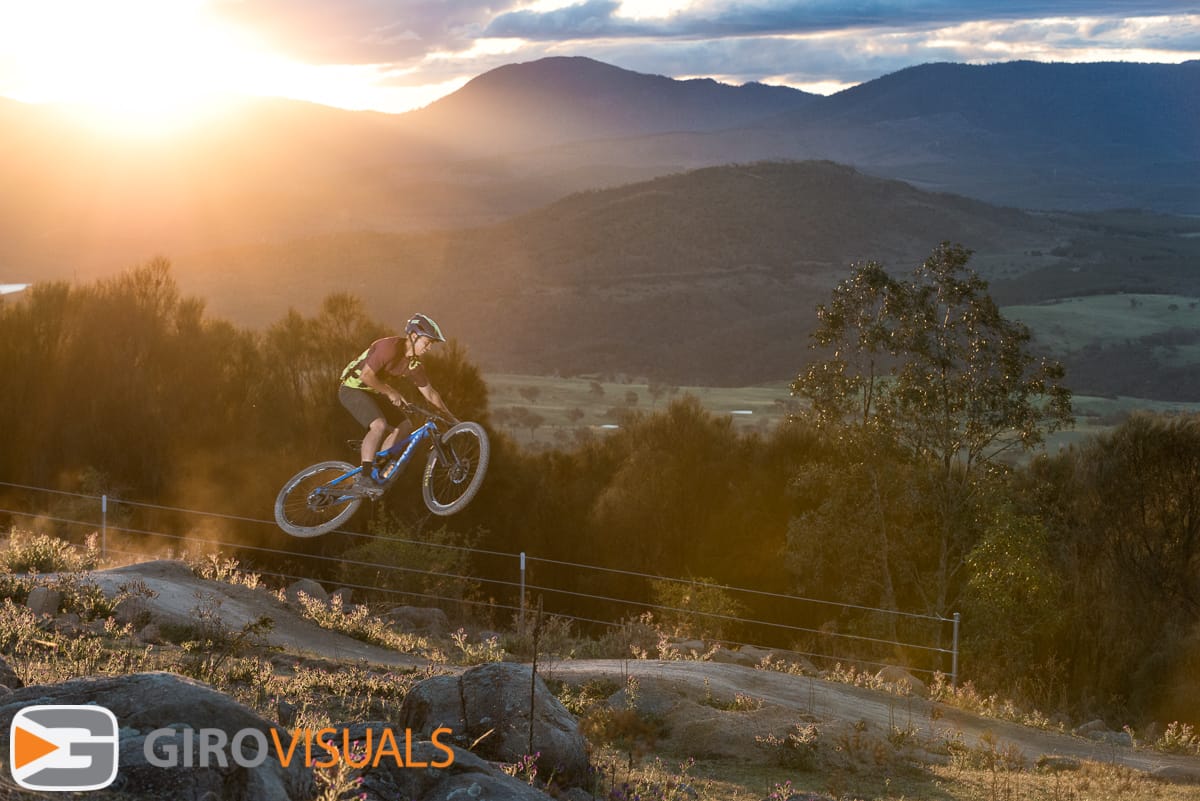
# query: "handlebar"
{"points": [[415, 408]]}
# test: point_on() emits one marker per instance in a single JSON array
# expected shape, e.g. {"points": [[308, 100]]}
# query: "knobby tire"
{"points": [[448, 487], [298, 517]]}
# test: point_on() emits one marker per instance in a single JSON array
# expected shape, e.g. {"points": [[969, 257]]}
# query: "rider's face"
{"points": [[422, 345]]}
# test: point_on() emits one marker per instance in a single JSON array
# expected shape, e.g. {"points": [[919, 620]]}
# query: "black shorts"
{"points": [[367, 406]]}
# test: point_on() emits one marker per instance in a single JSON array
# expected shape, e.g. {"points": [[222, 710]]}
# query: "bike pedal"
{"points": [[364, 490]]}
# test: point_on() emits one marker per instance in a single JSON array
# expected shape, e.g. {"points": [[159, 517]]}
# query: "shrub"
{"points": [[695, 608], [42, 553]]}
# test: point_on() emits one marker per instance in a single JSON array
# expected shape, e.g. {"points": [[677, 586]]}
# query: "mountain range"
{"points": [[1031, 135]]}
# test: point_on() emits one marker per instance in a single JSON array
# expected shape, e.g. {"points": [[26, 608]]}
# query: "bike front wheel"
{"points": [[311, 504], [451, 483]]}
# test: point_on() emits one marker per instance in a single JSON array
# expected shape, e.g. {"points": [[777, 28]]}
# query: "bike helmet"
{"points": [[423, 326]]}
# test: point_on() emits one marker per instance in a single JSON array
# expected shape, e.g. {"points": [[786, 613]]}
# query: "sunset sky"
{"points": [[141, 60]]}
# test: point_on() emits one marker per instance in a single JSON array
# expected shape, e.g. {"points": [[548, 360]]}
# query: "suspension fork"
{"points": [[435, 442]]}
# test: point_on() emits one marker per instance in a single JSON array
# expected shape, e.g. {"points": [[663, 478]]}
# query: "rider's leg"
{"points": [[401, 430], [371, 441], [367, 411]]}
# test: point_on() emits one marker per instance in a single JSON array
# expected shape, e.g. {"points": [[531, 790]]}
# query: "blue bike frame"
{"points": [[395, 458]]}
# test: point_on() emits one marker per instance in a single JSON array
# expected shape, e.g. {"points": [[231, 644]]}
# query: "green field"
{"points": [[1067, 325], [758, 408], [568, 405]]}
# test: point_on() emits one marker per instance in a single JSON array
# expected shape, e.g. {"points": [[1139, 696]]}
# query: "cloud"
{"points": [[409, 44], [602, 18], [360, 31], [839, 58]]}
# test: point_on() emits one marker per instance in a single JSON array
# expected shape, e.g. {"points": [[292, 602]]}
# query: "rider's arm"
{"points": [[435, 400], [372, 380]]}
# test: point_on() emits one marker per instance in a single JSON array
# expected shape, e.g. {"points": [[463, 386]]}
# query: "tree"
{"points": [[930, 366], [1123, 513], [522, 417], [933, 362]]}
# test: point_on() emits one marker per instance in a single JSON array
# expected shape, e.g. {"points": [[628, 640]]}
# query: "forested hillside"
{"points": [[1076, 574], [707, 277]]}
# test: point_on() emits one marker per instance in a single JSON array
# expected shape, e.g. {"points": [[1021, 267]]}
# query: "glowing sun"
{"points": [[139, 66]]}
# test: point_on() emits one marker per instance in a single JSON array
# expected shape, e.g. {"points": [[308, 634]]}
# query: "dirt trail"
{"points": [[179, 594], [827, 700]]}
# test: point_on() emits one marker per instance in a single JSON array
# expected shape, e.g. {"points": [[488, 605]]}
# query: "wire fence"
{"points": [[492, 583]]}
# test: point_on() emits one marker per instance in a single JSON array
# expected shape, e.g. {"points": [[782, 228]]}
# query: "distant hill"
{"points": [[1060, 136], [709, 277], [79, 202], [1028, 134], [522, 107], [1041, 136]]}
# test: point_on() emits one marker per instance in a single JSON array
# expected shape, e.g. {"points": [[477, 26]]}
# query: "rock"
{"points": [[901, 678], [135, 611], [751, 656], [44, 601], [1178, 774], [8, 677], [728, 657], [577, 794], [690, 647], [69, 624], [342, 595], [151, 634], [310, 588], [1053, 763], [1090, 728], [420, 620], [286, 711], [1119, 738], [755, 654], [145, 702], [468, 777], [489, 706]]}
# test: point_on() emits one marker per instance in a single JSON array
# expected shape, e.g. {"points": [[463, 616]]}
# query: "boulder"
{"points": [[310, 588], [151, 634], [755, 654], [69, 624], [726, 656], [44, 601], [690, 647], [1178, 774], [466, 779], [488, 707], [901, 678], [1054, 763], [1091, 727], [8, 677], [1122, 739], [145, 702], [420, 620]]}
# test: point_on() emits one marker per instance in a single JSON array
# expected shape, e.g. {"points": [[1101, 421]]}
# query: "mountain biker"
{"points": [[370, 376]]}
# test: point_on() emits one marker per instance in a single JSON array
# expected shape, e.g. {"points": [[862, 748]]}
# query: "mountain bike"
{"points": [[322, 497]]}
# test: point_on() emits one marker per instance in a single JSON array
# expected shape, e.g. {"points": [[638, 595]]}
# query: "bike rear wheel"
{"points": [[450, 485], [303, 510]]}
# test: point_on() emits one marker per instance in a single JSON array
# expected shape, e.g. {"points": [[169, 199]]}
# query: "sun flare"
{"points": [[137, 66]]}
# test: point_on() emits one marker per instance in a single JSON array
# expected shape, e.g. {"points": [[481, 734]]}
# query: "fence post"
{"points": [[103, 527], [522, 622], [954, 655]]}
